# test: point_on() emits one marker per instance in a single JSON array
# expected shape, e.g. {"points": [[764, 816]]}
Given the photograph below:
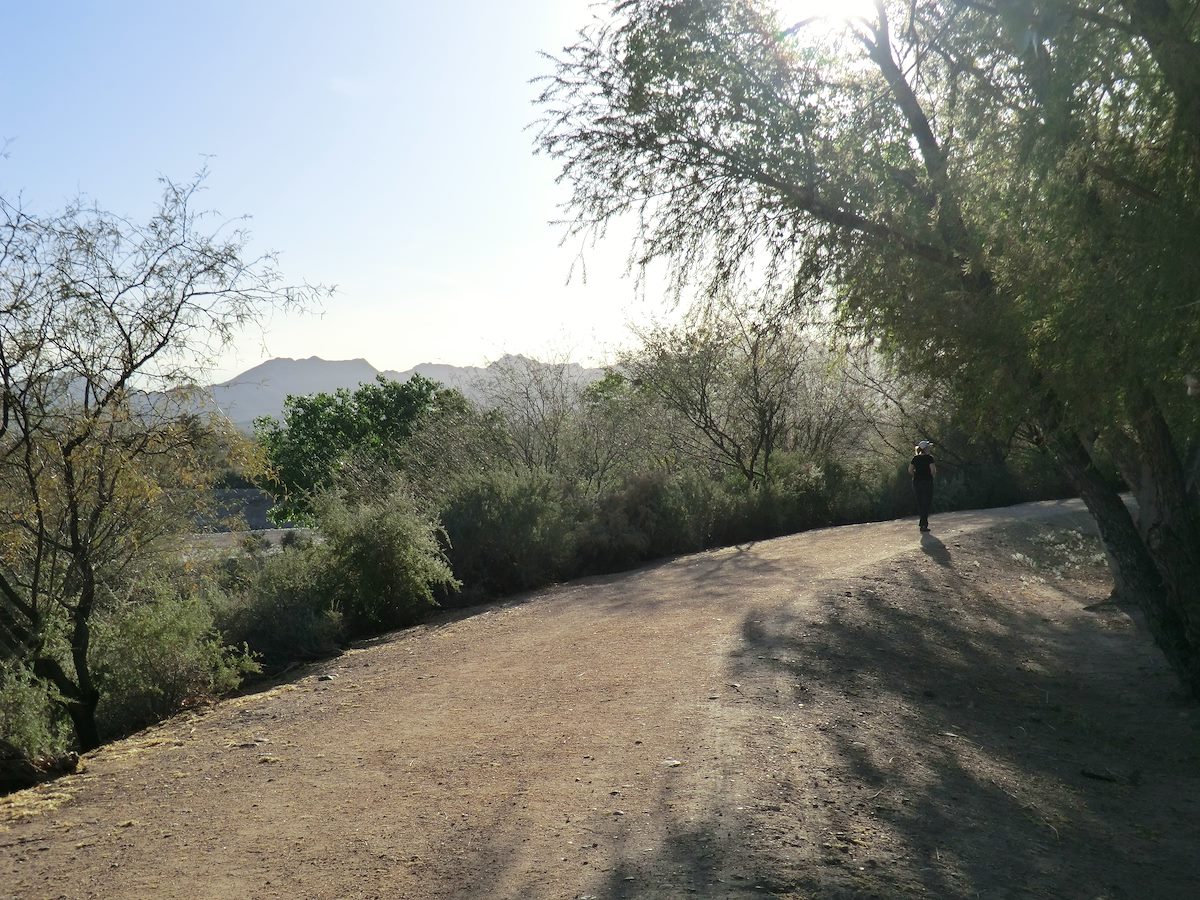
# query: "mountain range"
{"points": [[261, 391]]}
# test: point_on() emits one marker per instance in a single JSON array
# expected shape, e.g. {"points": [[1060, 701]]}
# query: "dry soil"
{"points": [[853, 712]]}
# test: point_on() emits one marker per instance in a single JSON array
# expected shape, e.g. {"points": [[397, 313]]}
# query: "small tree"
{"points": [[748, 384], [537, 401], [102, 451], [620, 430], [323, 432]]}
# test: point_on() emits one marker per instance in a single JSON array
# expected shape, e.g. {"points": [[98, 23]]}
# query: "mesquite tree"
{"points": [[1006, 195], [102, 449], [747, 384]]}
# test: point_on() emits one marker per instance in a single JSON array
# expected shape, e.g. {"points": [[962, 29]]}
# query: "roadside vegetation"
{"points": [[969, 224], [727, 427]]}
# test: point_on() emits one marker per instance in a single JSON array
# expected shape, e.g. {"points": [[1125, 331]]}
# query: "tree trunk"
{"points": [[79, 705], [83, 710], [83, 718], [1168, 521], [1135, 575]]}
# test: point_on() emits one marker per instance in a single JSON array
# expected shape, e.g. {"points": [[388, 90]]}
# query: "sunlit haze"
{"points": [[381, 147], [794, 11]]}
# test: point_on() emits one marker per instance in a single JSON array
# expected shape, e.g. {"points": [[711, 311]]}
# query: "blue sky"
{"points": [[379, 146]]}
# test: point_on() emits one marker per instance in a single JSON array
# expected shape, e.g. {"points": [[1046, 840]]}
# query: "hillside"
{"points": [[840, 713], [261, 391]]}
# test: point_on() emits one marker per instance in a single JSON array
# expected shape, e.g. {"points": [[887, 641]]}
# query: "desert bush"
{"points": [[158, 654], [280, 606], [30, 724], [800, 494], [971, 489], [651, 515], [377, 566], [854, 488], [385, 560], [255, 542], [294, 539], [508, 532], [1038, 478]]}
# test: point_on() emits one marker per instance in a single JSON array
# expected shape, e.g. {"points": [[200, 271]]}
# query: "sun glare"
{"points": [[793, 12]]}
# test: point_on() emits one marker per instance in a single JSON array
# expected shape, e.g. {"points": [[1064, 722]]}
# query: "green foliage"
{"points": [[746, 382], [1037, 477], [30, 722], [253, 542], [508, 532], [104, 456], [280, 606], [295, 539], [377, 565], [384, 560], [1026, 230], [322, 433], [158, 654], [652, 515], [452, 446], [619, 431]]}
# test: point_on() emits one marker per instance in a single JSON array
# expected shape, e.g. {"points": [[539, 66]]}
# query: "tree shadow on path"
{"points": [[933, 732]]}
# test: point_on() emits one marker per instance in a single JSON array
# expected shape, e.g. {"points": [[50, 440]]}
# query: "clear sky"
{"points": [[379, 146], [382, 146]]}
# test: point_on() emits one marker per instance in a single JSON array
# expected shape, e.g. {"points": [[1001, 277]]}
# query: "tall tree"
{"points": [[101, 451], [1007, 207]]}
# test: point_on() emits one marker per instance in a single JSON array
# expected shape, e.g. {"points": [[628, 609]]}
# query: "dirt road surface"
{"points": [[853, 712]]}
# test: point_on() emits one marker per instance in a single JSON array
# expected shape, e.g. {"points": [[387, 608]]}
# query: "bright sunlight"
{"points": [[792, 12]]}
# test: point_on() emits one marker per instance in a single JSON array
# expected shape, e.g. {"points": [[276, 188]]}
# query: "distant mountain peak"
{"points": [[262, 389]]}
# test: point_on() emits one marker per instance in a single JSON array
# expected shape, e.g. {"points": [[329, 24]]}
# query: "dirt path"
{"points": [[841, 713]]}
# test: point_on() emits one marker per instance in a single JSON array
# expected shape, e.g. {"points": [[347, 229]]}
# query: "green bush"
{"points": [[294, 539], [651, 515], [157, 655], [384, 561], [377, 565], [280, 606], [508, 532], [29, 721], [1039, 478]]}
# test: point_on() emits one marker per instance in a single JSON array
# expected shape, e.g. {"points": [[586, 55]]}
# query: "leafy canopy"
{"points": [[323, 433]]}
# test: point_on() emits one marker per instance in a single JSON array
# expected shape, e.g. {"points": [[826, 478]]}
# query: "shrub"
{"points": [[155, 656], [1039, 478], [294, 539], [280, 607], [509, 532], [255, 542], [384, 560], [651, 515], [377, 566], [29, 722]]}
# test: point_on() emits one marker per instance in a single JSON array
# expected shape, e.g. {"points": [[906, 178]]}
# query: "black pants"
{"points": [[924, 492]]}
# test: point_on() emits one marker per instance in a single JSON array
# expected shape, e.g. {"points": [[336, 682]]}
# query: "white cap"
{"points": [[924, 445]]}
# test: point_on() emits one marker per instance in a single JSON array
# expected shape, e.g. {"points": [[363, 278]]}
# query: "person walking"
{"points": [[922, 469]]}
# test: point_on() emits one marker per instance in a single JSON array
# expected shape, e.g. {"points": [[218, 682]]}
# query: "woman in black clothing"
{"points": [[922, 470]]}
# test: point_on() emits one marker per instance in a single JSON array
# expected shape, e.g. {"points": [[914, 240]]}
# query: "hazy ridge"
{"points": [[261, 390]]}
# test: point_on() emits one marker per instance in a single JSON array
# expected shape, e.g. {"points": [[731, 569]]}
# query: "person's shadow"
{"points": [[935, 549]]}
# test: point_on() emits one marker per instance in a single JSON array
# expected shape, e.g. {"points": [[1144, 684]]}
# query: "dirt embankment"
{"points": [[854, 712]]}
